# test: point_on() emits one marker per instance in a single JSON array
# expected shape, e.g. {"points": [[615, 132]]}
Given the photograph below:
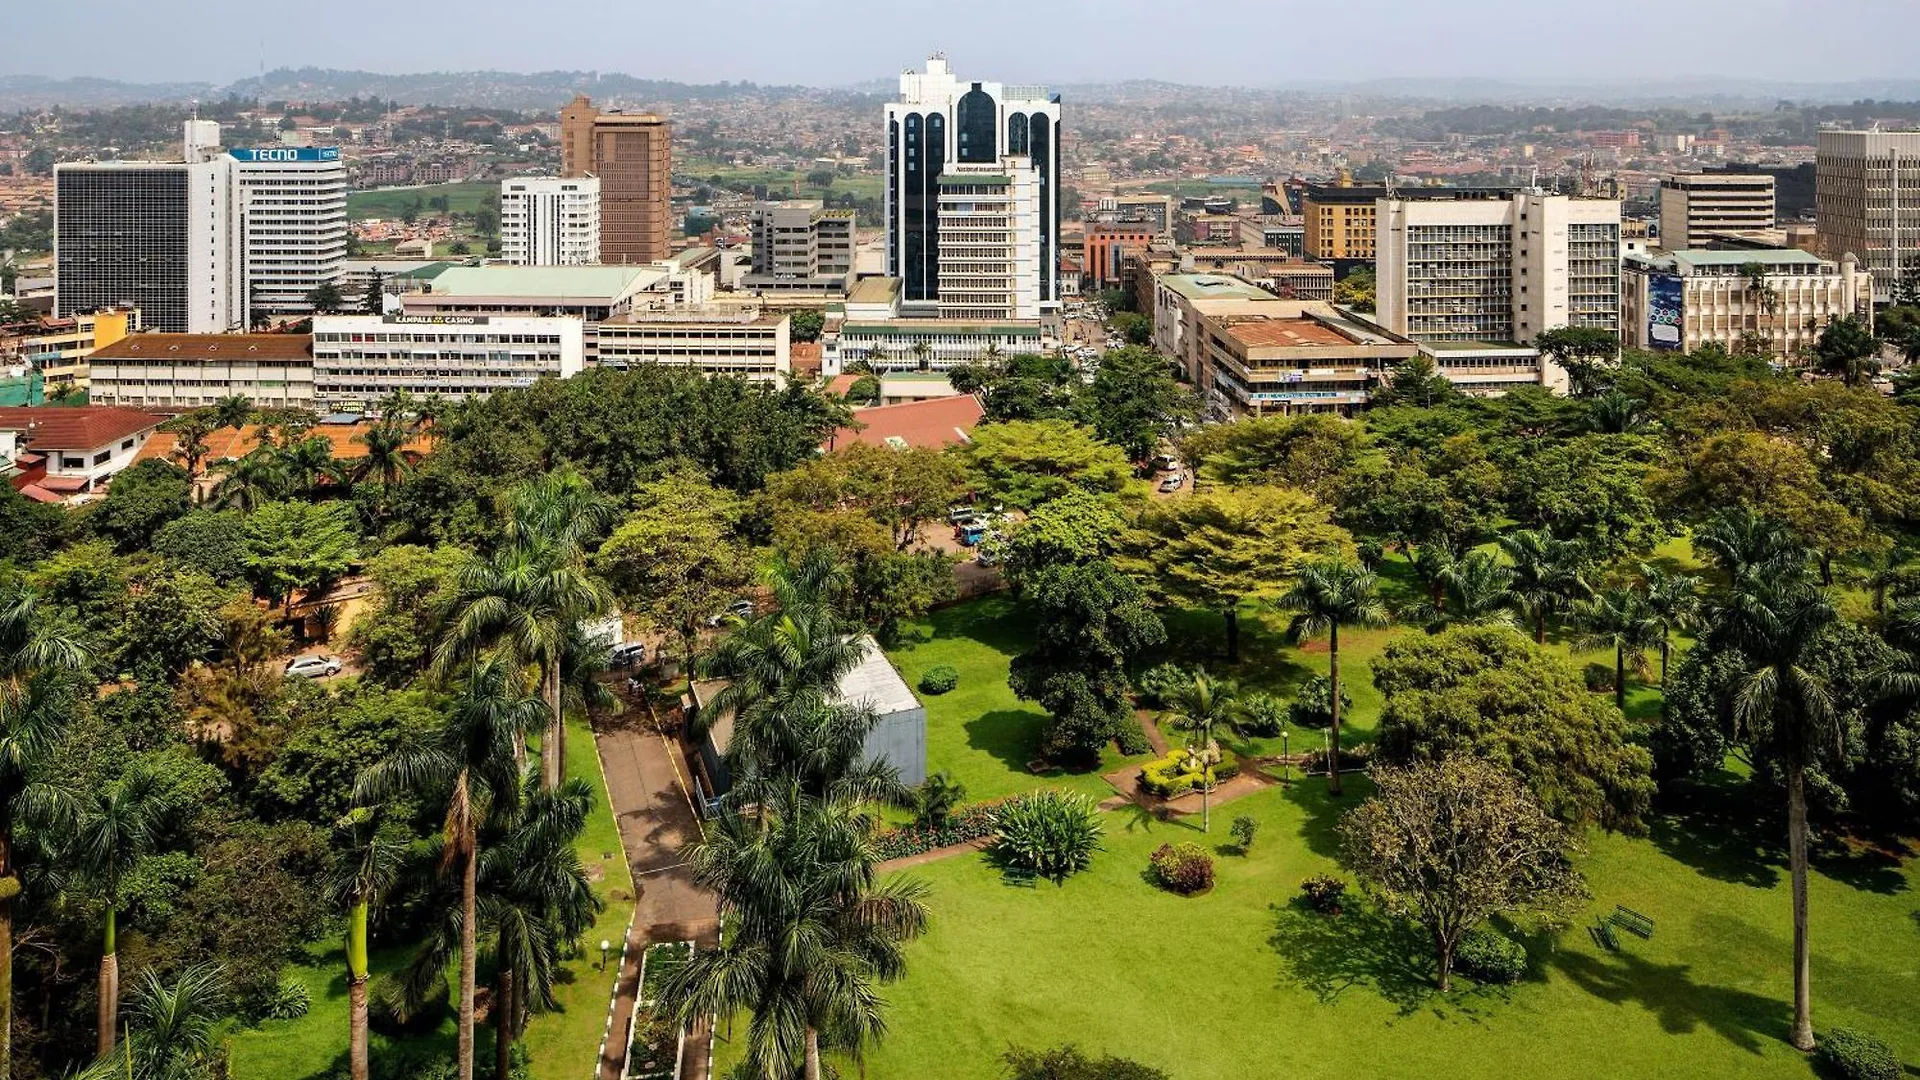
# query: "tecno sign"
{"points": [[286, 153]]}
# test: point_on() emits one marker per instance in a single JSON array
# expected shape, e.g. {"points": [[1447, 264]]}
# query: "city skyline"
{"points": [[223, 42]]}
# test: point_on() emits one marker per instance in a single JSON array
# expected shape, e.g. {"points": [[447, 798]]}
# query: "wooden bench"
{"points": [[1603, 935], [1631, 921]]}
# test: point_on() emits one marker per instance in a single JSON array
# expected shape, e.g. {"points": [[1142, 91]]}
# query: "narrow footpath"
{"points": [[648, 786]]}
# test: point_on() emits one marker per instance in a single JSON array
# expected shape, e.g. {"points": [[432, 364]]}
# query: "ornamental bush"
{"points": [[1489, 956], [1313, 706], [1324, 893], [1846, 1054], [939, 679], [1160, 682], [1243, 831], [1180, 772], [1049, 834], [962, 826], [290, 1000], [1182, 868]]}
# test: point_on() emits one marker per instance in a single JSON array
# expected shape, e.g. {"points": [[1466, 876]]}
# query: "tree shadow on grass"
{"points": [[1012, 736], [1324, 811], [1721, 829], [1364, 948], [1681, 1005]]}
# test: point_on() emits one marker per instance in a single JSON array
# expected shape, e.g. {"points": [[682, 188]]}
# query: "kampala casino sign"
{"points": [[286, 153]]}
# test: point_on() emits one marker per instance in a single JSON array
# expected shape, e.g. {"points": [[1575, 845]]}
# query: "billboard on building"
{"points": [[285, 153], [1666, 310]]}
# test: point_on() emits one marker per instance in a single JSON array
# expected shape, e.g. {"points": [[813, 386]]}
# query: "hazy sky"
{"points": [[837, 42]]}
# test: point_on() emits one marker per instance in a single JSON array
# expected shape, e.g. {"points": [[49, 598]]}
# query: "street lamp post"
{"points": [[1286, 760], [605, 948]]}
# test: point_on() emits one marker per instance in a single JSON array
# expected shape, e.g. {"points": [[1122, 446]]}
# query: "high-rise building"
{"points": [[1696, 206], [799, 243], [972, 196], [632, 155], [1497, 269], [1867, 201], [550, 221], [203, 244]]}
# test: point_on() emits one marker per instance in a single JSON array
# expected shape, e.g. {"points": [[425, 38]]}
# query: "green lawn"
{"points": [[1239, 982], [563, 1043], [779, 182], [462, 198]]}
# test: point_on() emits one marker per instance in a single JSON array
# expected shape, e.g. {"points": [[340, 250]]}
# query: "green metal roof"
{"points": [[540, 281], [1765, 257], [1215, 287], [926, 327], [952, 179]]}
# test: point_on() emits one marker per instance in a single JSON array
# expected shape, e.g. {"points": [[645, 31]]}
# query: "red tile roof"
{"points": [[210, 346], [84, 427], [934, 423], [228, 443]]}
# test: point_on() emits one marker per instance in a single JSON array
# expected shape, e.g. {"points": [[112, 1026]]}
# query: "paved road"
{"points": [[647, 782]]}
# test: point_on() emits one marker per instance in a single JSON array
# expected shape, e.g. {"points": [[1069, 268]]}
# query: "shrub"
{"points": [[1049, 834], [939, 679], [1846, 1054], [1599, 678], [1183, 868], [1243, 831], [1324, 893], [1313, 706], [1262, 715], [964, 825], [1070, 1063], [1161, 682], [1180, 772], [1489, 956], [1132, 738], [289, 1001], [389, 1014], [934, 800]]}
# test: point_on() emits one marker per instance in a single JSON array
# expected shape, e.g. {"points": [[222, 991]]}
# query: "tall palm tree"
{"points": [[1619, 619], [386, 459], [1617, 413], [234, 411], [1327, 596], [469, 766], [1748, 546], [1432, 561], [1201, 706], [1787, 709], [1674, 600], [809, 935], [259, 477], [1546, 575], [307, 463], [32, 653], [1479, 590], [366, 864], [116, 829], [190, 431], [175, 1030]]}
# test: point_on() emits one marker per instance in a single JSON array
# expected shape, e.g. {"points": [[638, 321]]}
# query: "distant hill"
{"points": [[39, 91]]}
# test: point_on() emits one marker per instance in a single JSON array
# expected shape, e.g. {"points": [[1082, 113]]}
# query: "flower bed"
{"points": [[973, 822], [1179, 772], [655, 1051]]}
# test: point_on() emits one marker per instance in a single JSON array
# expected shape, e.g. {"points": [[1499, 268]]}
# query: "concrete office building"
{"points": [[1867, 202], [799, 244], [894, 345], [359, 359], [751, 344], [181, 372], [1292, 357], [632, 155], [1685, 299], [1155, 212], [1700, 206], [60, 351], [1338, 219], [1498, 270], [290, 224], [550, 221], [972, 196], [1104, 247]]}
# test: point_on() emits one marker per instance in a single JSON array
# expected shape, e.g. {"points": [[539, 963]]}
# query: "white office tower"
{"points": [[1497, 270], [972, 197], [550, 221], [290, 220], [1866, 198]]}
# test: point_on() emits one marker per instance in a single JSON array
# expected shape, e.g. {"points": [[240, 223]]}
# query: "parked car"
{"points": [[971, 533], [1172, 483], [1165, 462], [311, 667], [958, 514], [627, 654], [740, 609]]}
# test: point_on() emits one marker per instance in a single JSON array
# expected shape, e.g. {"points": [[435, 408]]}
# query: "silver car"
{"points": [[313, 667]]}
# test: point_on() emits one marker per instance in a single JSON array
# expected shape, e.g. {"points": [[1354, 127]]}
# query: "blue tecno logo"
{"points": [[286, 153]]}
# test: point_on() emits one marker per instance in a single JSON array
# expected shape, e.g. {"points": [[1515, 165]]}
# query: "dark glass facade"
{"points": [[1017, 133], [977, 126], [122, 240], [1041, 148]]}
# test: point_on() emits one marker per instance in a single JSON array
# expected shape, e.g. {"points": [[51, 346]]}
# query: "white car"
{"points": [[312, 667], [627, 654]]}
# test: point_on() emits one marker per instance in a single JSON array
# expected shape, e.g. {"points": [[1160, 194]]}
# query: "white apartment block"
{"points": [[1497, 270], [1866, 191], [1781, 299], [1697, 206], [550, 221], [750, 344], [181, 372], [990, 243], [359, 359], [290, 222]]}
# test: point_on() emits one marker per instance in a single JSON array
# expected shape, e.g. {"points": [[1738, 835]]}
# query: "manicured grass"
{"points": [[563, 1043], [1239, 982], [779, 182], [979, 732], [462, 198]]}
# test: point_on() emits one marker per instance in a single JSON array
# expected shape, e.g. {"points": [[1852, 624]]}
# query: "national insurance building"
{"points": [[205, 244], [973, 197]]}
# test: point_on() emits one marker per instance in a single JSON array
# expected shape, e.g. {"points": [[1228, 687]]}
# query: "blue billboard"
{"points": [[1666, 311], [285, 153]]}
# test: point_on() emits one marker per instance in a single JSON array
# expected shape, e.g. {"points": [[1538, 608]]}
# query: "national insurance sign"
{"points": [[286, 153]]}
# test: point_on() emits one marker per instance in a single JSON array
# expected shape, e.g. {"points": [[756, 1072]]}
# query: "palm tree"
{"points": [[1432, 560], [259, 477], [809, 935], [1619, 619], [1546, 575], [1786, 708], [191, 431], [1328, 595], [1748, 546], [922, 355], [386, 459], [116, 829], [1674, 601], [1617, 413], [1480, 590], [469, 766], [175, 1032], [307, 463], [366, 864], [1201, 706], [233, 412], [31, 652]]}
